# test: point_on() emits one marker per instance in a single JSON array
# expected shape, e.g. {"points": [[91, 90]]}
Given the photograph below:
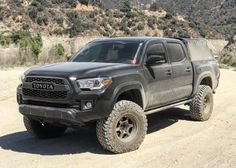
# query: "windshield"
{"points": [[109, 52]]}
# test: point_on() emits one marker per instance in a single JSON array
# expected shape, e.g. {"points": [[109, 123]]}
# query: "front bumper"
{"points": [[70, 116], [68, 111]]}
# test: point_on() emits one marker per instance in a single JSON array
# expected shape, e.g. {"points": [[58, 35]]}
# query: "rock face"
{"points": [[216, 46], [228, 55]]}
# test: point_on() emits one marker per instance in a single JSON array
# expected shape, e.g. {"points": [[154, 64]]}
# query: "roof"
{"points": [[136, 39]]}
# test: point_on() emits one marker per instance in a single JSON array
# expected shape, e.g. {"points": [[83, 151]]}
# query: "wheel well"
{"points": [[133, 95], [206, 81]]}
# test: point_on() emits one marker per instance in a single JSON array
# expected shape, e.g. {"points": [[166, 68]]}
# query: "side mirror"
{"points": [[68, 58], [155, 60]]}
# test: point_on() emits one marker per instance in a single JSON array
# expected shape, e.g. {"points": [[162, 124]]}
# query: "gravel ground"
{"points": [[173, 140]]}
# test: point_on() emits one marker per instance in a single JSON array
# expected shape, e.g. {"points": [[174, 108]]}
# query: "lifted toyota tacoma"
{"points": [[115, 83]]}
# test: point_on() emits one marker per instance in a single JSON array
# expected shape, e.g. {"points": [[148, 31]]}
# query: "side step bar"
{"points": [[167, 107]]}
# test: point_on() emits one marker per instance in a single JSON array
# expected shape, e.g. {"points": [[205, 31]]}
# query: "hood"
{"points": [[78, 69]]}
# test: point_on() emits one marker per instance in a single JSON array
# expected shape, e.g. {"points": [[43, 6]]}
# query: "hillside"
{"points": [[220, 14], [27, 27], [69, 17]]}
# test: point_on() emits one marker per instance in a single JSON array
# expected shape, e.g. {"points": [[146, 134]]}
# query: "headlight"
{"points": [[93, 83]]}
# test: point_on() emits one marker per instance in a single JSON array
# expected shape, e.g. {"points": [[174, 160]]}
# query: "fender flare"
{"points": [[199, 79], [126, 87]]}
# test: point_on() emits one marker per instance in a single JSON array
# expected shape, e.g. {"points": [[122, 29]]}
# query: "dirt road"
{"points": [[173, 140]]}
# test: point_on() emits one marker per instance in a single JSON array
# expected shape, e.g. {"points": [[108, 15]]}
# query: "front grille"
{"points": [[42, 79], [60, 88], [45, 94]]}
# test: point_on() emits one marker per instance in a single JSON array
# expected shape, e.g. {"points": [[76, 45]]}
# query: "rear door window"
{"points": [[176, 52], [156, 49]]}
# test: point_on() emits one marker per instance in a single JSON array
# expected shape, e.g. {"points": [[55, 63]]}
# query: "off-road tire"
{"points": [[202, 104], [44, 130], [107, 133]]}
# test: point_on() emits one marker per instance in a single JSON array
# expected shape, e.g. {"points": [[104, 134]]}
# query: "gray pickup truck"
{"points": [[115, 83]]}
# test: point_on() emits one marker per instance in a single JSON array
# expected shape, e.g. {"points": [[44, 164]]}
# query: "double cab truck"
{"points": [[116, 83]]}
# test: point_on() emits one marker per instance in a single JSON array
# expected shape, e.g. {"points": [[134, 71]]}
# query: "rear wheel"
{"points": [[202, 104], [124, 130], [43, 130]]}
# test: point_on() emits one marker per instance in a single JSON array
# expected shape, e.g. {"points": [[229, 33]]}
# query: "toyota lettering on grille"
{"points": [[43, 86]]}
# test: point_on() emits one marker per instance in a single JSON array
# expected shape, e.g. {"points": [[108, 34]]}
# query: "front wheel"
{"points": [[202, 104], [125, 128]]}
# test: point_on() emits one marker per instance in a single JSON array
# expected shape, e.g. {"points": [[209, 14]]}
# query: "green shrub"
{"points": [[130, 14], [168, 33], [224, 66], [192, 25], [168, 15], [73, 3], [117, 14], [40, 21], [183, 33], [115, 26], [26, 40], [203, 32], [57, 31], [52, 12], [26, 24], [140, 26], [59, 21], [17, 36], [92, 14], [154, 6], [34, 3], [72, 15], [5, 40], [57, 1], [104, 22], [36, 45], [78, 23], [133, 33], [44, 20], [125, 6], [130, 23], [152, 21], [59, 50], [110, 20], [33, 14], [123, 26], [45, 3], [226, 59]]}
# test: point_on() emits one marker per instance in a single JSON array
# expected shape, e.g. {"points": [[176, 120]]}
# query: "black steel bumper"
{"points": [[67, 115], [72, 113]]}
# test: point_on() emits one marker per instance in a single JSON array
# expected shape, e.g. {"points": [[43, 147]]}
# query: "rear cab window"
{"points": [[175, 52]]}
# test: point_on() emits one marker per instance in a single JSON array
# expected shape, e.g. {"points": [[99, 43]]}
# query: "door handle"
{"points": [[188, 69], [168, 72]]}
